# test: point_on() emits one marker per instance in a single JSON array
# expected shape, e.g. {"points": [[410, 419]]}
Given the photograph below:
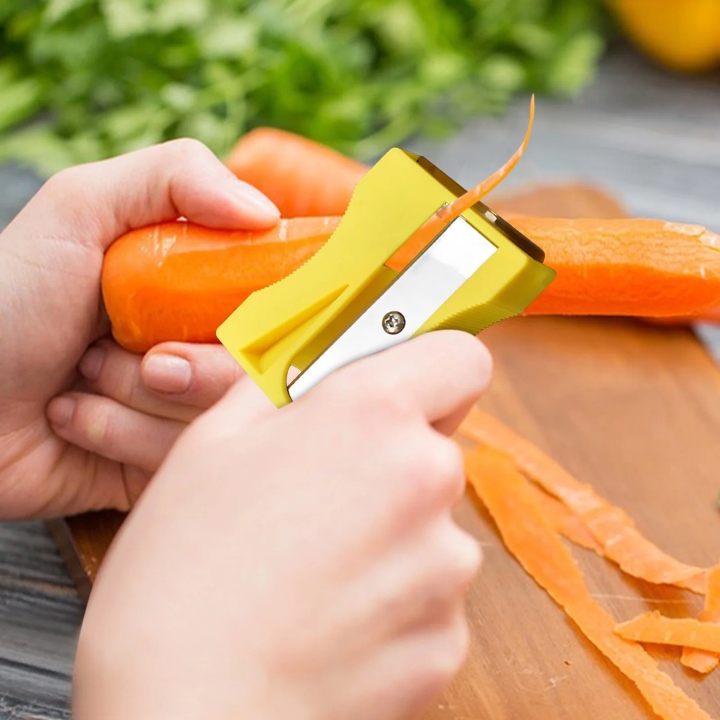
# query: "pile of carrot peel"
{"points": [[535, 503]]}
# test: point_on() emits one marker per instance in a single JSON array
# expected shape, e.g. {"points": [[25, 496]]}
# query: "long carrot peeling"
{"points": [[446, 214], [538, 548], [653, 627], [564, 521], [702, 661], [621, 541]]}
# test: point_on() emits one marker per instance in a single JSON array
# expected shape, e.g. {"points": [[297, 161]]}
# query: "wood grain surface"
{"points": [[636, 412]]}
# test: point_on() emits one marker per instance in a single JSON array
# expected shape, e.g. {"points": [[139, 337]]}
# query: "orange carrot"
{"points": [[164, 282], [563, 521], [189, 297], [616, 267], [435, 224], [302, 177], [604, 267], [179, 281], [653, 627], [538, 548], [631, 267], [699, 660], [621, 541]]}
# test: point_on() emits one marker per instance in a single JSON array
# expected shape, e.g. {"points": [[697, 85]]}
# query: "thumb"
{"points": [[180, 178]]}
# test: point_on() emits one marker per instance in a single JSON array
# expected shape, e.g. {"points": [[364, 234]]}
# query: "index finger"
{"points": [[441, 374]]}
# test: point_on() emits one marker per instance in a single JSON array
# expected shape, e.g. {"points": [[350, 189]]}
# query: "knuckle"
{"points": [[119, 376], [480, 360], [188, 147], [116, 377], [458, 644], [66, 181], [438, 469], [95, 423], [449, 655], [364, 394], [465, 561], [457, 557], [473, 358]]}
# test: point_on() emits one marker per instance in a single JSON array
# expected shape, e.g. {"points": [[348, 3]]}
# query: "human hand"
{"points": [[50, 261], [297, 563], [134, 407]]}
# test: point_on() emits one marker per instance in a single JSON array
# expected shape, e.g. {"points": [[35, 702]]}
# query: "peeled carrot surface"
{"points": [[179, 281], [700, 660], [604, 267], [293, 171], [162, 283], [652, 627], [303, 178], [540, 551], [564, 521], [621, 541]]}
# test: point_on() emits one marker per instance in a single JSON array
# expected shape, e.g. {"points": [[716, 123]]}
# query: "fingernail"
{"points": [[60, 411], [252, 199], [92, 362], [167, 373]]}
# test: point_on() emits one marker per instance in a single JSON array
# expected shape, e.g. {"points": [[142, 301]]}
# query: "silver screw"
{"points": [[393, 322]]}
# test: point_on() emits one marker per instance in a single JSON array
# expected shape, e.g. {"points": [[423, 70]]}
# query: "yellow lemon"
{"points": [[683, 35]]}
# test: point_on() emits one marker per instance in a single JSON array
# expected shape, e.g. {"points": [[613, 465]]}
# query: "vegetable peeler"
{"points": [[352, 299]]}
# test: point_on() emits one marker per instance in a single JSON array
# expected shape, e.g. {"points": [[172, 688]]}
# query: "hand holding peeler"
{"points": [[356, 296]]}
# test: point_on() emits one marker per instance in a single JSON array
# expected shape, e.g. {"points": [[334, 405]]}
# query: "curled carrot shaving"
{"points": [[700, 660], [653, 627], [456, 208], [621, 541], [437, 222], [539, 549]]}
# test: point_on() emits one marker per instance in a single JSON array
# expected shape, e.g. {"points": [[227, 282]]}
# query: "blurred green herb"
{"points": [[82, 80]]}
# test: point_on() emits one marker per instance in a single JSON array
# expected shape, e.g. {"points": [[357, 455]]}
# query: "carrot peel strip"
{"points": [[435, 224], [541, 552], [564, 522], [468, 199], [702, 661], [653, 627], [621, 541]]}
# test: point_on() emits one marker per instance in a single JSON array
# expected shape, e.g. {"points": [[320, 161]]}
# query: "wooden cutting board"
{"points": [[630, 408], [635, 411]]}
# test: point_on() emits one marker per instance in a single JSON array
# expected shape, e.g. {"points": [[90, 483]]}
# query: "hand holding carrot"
{"points": [[50, 263], [136, 407]]}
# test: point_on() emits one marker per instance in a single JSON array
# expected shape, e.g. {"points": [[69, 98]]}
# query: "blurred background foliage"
{"points": [[82, 80], [86, 79]]}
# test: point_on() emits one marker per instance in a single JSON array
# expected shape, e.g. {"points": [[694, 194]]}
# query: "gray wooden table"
{"points": [[653, 139]]}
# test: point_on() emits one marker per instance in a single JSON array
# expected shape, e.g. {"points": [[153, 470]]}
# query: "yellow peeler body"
{"points": [[345, 302]]}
